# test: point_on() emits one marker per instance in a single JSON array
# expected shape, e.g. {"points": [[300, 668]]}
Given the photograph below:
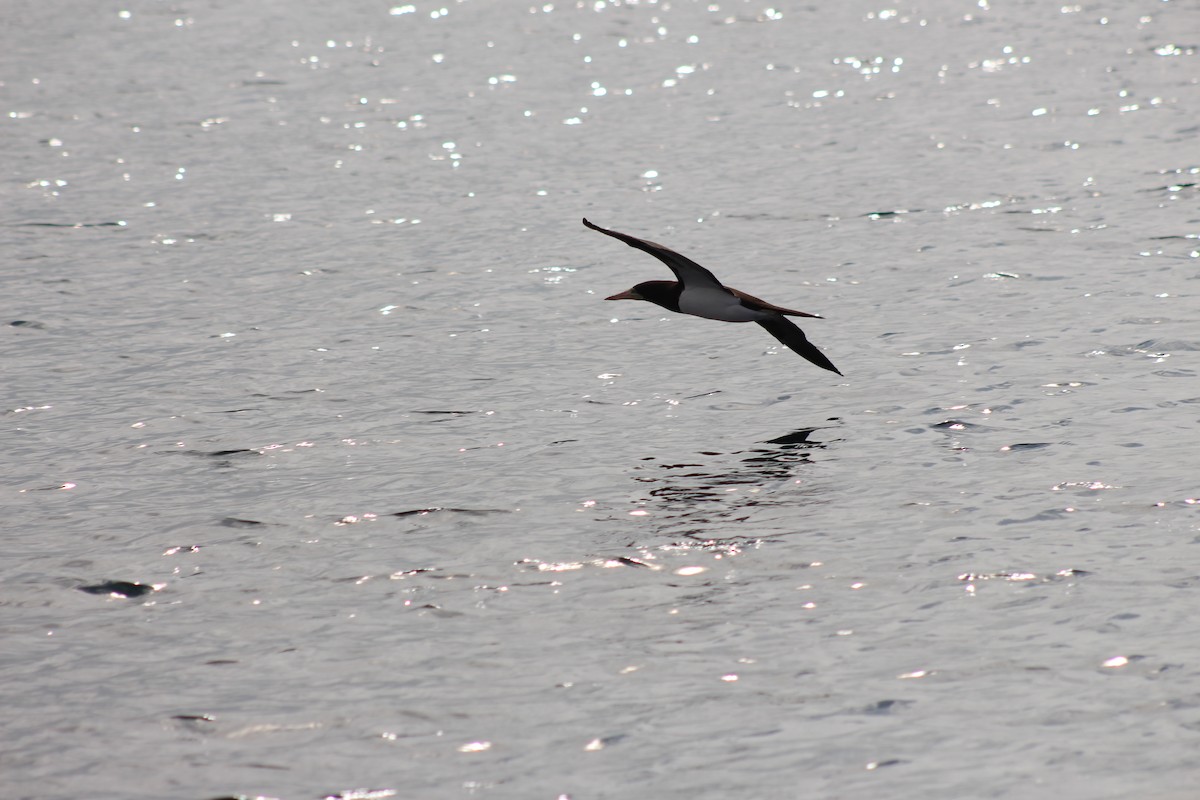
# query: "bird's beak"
{"points": [[628, 294]]}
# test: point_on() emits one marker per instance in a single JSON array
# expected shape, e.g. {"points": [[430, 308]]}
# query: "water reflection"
{"points": [[701, 500]]}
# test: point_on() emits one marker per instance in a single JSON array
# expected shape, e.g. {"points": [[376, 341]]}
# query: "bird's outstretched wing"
{"points": [[754, 302], [786, 331], [687, 272]]}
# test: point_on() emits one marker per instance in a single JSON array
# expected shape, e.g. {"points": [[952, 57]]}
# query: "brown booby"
{"points": [[699, 293]]}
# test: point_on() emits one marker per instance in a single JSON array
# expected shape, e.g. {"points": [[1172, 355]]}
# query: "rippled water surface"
{"points": [[329, 473]]}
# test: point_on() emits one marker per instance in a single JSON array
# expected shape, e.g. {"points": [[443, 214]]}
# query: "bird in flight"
{"points": [[699, 293]]}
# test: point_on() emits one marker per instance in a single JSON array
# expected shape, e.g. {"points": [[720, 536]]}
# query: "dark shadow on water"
{"points": [[706, 499]]}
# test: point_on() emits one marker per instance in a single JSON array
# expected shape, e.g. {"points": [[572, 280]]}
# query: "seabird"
{"points": [[699, 293]]}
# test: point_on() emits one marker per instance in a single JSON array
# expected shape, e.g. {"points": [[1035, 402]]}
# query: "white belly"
{"points": [[717, 304]]}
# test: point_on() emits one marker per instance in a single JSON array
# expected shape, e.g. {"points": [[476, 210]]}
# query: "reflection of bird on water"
{"points": [[696, 503]]}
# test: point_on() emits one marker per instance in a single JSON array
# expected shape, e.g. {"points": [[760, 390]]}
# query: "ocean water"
{"points": [[329, 473]]}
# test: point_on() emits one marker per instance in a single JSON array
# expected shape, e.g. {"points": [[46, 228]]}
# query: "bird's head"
{"points": [[663, 293]]}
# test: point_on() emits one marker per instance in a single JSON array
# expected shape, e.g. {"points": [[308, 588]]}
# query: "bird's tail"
{"points": [[787, 332]]}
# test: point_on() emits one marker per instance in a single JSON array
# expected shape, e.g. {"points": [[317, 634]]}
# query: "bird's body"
{"points": [[698, 293]]}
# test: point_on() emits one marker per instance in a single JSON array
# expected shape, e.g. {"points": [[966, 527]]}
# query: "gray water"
{"points": [[327, 469]]}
